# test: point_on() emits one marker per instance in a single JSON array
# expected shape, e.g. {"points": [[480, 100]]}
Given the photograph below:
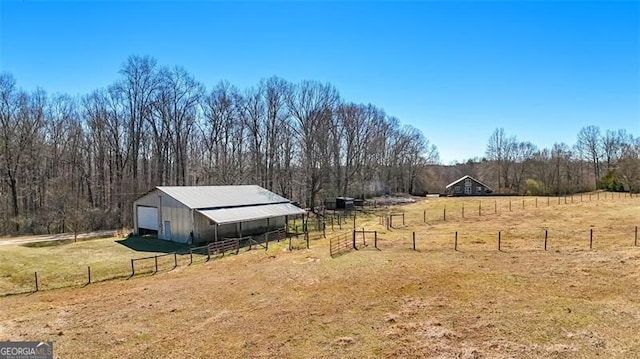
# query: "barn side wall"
{"points": [[180, 218]]}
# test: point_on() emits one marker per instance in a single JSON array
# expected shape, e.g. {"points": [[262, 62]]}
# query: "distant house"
{"points": [[193, 214], [467, 186]]}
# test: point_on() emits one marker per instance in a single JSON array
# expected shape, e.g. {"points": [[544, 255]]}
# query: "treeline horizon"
{"points": [[75, 163], [78, 163], [607, 160]]}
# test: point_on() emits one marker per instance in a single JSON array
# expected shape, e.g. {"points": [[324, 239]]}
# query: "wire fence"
{"points": [[396, 237], [524, 239], [475, 207], [22, 282]]}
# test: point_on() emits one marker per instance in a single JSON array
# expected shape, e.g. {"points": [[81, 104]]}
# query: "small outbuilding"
{"points": [[339, 203], [196, 214], [467, 186], [344, 203]]}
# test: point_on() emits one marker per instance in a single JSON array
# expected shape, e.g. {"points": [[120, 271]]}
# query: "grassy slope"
{"points": [[522, 302], [59, 265]]}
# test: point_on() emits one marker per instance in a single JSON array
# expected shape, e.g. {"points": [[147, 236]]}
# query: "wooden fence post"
{"points": [[175, 259], [545, 239], [133, 271], [479, 208], [156, 260], [522, 203], [354, 239], [414, 241], [455, 242], [499, 241], [403, 218], [536, 202], [463, 210], [635, 241], [88, 274], [509, 204], [375, 239], [444, 213], [591, 239], [547, 201], [36, 275], [306, 234], [424, 215]]}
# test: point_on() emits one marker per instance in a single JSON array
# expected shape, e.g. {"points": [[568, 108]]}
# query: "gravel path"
{"points": [[4, 241]]}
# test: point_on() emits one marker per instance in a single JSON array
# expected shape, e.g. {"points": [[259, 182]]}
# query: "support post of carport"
{"points": [[286, 227]]}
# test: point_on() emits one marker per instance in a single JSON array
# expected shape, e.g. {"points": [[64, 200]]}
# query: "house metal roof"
{"points": [[242, 214], [464, 178], [210, 197]]}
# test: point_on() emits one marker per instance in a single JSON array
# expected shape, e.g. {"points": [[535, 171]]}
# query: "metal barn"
{"points": [[196, 214]]}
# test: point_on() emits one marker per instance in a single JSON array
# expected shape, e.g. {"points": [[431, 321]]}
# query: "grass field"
{"points": [[477, 302], [64, 263]]}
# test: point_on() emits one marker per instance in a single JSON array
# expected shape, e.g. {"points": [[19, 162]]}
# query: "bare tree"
{"points": [[311, 105], [589, 147]]}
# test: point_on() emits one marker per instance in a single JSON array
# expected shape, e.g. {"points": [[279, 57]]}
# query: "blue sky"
{"points": [[455, 70]]}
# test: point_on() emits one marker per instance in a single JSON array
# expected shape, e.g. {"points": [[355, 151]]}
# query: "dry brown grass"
{"points": [[523, 302]]}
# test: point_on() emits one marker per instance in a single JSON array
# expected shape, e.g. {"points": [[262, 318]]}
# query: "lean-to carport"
{"points": [[239, 215]]}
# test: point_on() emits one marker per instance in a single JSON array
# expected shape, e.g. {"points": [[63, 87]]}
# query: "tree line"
{"points": [[608, 160], [78, 163]]}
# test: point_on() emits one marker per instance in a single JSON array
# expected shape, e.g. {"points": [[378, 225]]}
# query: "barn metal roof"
{"points": [[242, 214], [210, 197]]}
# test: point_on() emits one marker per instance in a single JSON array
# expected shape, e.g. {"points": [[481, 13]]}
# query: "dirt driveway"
{"points": [[4, 241]]}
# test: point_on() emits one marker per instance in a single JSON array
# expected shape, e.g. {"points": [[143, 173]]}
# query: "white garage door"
{"points": [[148, 218]]}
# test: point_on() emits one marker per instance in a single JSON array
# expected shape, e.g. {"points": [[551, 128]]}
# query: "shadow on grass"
{"points": [[154, 245]]}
